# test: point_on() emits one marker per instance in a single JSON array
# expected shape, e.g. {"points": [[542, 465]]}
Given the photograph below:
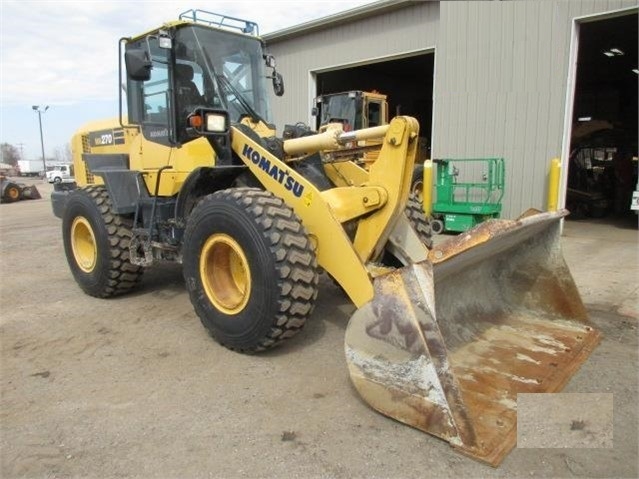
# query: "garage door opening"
{"points": [[406, 82], [602, 167]]}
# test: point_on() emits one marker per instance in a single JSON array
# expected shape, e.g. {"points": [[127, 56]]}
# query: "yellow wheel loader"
{"points": [[356, 109], [10, 191], [443, 338]]}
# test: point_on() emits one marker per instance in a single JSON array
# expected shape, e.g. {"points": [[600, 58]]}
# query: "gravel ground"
{"points": [[134, 387]]}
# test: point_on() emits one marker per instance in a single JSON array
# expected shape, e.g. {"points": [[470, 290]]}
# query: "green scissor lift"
{"points": [[460, 205]]}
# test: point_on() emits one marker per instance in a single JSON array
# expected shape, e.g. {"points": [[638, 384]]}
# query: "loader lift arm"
{"points": [[379, 202]]}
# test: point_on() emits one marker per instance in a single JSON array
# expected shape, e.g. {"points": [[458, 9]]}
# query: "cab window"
{"points": [[155, 96], [374, 114]]}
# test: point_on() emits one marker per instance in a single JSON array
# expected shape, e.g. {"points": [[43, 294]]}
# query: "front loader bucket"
{"points": [[446, 344], [30, 193]]}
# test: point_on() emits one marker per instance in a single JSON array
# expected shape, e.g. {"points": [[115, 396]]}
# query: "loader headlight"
{"points": [[216, 122], [205, 121]]}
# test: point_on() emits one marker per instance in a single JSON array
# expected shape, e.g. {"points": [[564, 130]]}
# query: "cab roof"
{"points": [[214, 21]]}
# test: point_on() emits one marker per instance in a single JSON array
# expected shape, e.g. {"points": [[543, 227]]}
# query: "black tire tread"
{"points": [[296, 263], [8, 197], [415, 212], [123, 276]]}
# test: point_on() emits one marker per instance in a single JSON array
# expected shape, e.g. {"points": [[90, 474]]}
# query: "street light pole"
{"points": [[37, 109]]}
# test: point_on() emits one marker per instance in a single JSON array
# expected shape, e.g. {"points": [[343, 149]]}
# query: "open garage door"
{"points": [[602, 168], [407, 82]]}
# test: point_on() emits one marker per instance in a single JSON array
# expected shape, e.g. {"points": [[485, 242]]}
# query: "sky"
{"points": [[64, 54]]}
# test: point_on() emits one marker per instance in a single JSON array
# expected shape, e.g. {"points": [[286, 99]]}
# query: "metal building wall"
{"points": [[407, 29], [500, 86], [501, 76]]}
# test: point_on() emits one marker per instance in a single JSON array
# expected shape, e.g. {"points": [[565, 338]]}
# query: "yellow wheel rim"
{"points": [[83, 244], [14, 193], [225, 273]]}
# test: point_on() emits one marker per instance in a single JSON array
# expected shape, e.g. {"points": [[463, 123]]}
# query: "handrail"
{"points": [[220, 21], [490, 192]]}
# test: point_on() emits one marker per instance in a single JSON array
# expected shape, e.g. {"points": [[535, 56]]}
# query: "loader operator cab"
{"points": [[187, 92], [353, 109], [196, 63]]}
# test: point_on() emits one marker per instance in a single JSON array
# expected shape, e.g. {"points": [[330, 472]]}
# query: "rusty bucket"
{"points": [[446, 344]]}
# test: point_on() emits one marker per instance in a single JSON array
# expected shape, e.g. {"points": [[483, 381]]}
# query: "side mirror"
{"points": [[314, 111], [138, 64], [278, 84]]}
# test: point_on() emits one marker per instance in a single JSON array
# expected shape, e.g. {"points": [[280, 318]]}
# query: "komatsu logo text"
{"points": [[281, 176]]}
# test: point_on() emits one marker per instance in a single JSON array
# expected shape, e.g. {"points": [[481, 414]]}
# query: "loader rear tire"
{"points": [[250, 268], [96, 243]]}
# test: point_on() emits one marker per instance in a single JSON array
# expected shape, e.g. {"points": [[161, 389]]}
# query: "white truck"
{"points": [[61, 174], [30, 167]]}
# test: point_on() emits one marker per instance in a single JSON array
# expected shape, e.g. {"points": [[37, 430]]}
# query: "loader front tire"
{"points": [[96, 243], [250, 268], [415, 212]]}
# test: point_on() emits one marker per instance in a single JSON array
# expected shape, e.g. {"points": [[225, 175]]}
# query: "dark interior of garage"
{"points": [[407, 82], [602, 170]]}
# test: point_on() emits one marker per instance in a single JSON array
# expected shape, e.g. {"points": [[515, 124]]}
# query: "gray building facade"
{"points": [[503, 77]]}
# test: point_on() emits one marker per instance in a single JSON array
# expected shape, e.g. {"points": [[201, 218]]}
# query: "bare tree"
{"points": [[10, 154], [63, 153], [67, 152], [58, 154]]}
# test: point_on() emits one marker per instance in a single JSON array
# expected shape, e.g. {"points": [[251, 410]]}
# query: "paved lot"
{"points": [[134, 387]]}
